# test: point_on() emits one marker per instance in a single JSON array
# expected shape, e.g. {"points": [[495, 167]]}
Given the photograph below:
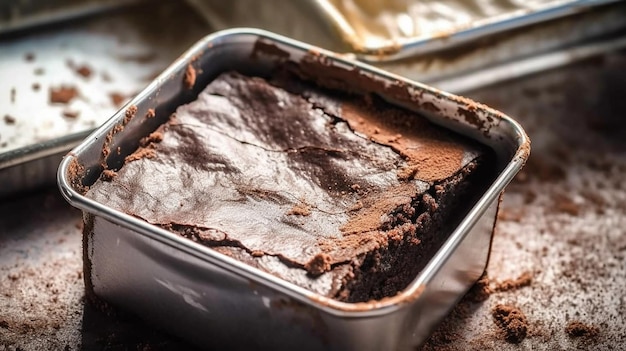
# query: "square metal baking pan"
{"points": [[216, 301]]}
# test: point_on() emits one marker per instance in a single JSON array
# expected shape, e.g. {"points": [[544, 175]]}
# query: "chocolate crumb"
{"points": [[154, 137], [190, 77], [318, 264], [13, 92], [9, 119], [480, 291], [84, 71], [36, 86], [512, 284], [117, 99], [29, 57], [108, 175], [511, 321], [576, 329], [71, 114], [300, 210], [63, 94], [139, 154]]}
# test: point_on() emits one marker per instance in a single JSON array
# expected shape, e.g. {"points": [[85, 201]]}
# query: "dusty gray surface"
{"points": [[563, 221], [107, 58]]}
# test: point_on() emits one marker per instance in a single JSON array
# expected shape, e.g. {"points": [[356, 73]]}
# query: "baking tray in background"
{"points": [[107, 57], [17, 15], [442, 57], [382, 31]]}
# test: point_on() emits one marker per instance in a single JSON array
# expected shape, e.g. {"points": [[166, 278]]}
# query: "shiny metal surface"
{"points": [[220, 296]]}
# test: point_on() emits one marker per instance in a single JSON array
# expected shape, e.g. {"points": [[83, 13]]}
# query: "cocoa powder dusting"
{"points": [[368, 217], [511, 321], [429, 154]]}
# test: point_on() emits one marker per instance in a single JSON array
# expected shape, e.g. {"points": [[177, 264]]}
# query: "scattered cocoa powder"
{"points": [[63, 94], [512, 284], [434, 157], [29, 57], [576, 329], [36, 86], [39, 71], [511, 321]]}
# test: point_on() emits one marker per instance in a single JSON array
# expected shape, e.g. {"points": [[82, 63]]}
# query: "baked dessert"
{"points": [[342, 194]]}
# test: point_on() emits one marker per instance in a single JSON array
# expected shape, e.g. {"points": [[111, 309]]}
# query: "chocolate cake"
{"points": [[342, 194]]}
